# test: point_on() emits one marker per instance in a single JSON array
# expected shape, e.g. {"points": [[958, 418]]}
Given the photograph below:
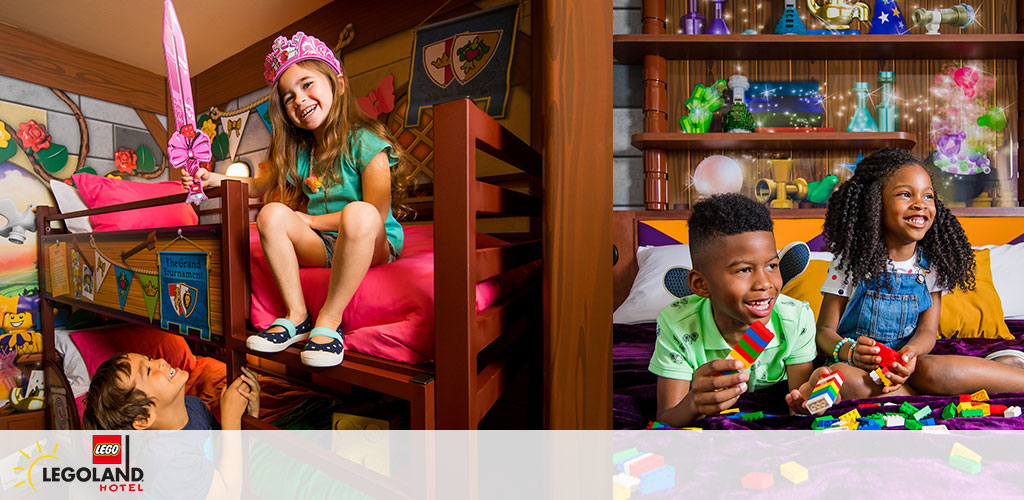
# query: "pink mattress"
{"points": [[391, 315]]}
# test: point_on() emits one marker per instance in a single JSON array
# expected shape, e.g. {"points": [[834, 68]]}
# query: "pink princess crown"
{"points": [[301, 47]]}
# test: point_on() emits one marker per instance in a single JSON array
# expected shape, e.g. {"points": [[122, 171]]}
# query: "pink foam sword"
{"points": [[187, 147]]}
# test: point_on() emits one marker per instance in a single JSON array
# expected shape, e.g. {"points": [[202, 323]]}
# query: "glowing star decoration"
{"points": [[965, 129], [186, 149], [718, 174], [702, 105]]}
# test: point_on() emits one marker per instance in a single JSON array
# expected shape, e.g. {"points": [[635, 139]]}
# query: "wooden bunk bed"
{"points": [[476, 353]]}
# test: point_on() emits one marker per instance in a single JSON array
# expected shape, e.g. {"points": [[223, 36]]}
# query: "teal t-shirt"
{"points": [[688, 337], [333, 197]]}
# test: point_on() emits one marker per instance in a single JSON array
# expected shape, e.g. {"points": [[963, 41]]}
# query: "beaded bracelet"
{"points": [[849, 354], [835, 352]]}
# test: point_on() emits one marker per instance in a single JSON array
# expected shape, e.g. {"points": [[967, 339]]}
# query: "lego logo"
{"points": [[106, 449]]}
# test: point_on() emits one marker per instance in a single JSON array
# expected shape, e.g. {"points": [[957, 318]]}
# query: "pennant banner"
{"points": [[469, 56], [102, 268], [124, 283], [264, 111], [233, 126], [184, 298], [150, 291]]}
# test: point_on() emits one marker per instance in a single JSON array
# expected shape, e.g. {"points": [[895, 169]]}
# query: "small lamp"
{"points": [[239, 168]]}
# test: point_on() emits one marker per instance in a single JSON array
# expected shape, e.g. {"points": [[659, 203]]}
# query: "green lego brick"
{"points": [[751, 417], [949, 411], [912, 425], [908, 409], [624, 454], [973, 412], [964, 464]]}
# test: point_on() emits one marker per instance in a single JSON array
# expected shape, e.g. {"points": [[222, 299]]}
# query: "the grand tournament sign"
{"points": [[185, 297]]}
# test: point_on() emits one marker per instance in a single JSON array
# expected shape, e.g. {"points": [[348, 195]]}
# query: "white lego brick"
{"points": [[1013, 411]]}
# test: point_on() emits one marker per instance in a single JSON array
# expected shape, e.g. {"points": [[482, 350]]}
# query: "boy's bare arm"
{"points": [[681, 402]]}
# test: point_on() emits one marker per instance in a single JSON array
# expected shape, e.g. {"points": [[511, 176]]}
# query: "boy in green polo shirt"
{"points": [[736, 281]]}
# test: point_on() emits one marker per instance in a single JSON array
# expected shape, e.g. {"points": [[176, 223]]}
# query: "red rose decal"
{"points": [[125, 160], [33, 136]]}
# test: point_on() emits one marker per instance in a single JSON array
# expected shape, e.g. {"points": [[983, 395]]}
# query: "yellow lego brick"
{"points": [[986, 410], [963, 406], [881, 376], [793, 471], [698, 429], [730, 410], [850, 415], [980, 396], [830, 383], [851, 424], [620, 492], [963, 451]]}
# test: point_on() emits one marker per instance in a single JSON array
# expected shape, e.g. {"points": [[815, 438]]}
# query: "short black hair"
{"points": [[854, 234], [109, 405], [724, 215]]}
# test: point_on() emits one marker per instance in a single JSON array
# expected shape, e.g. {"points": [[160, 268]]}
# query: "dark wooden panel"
{"points": [[577, 94], [45, 61]]}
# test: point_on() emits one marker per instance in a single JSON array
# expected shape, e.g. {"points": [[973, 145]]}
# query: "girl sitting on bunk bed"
{"points": [[326, 156]]}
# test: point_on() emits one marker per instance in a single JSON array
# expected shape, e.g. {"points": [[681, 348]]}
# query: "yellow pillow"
{"points": [[978, 313], [807, 286]]}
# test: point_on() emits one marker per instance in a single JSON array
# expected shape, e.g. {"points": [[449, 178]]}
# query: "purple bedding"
{"points": [[635, 392]]}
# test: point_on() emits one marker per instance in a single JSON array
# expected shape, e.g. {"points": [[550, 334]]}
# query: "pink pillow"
{"points": [[99, 345], [391, 315], [100, 191]]}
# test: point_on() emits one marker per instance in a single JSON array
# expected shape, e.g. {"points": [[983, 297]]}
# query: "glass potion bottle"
{"points": [[862, 120]]}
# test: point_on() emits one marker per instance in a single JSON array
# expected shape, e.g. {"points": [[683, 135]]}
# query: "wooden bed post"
{"points": [[454, 247], [45, 308], [234, 216]]}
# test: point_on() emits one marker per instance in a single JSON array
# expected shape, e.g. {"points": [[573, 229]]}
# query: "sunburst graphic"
{"points": [[39, 447]]}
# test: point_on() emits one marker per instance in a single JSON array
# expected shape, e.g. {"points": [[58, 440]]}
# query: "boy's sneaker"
{"points": [[324, 355], [793, 260], [279, 340]]}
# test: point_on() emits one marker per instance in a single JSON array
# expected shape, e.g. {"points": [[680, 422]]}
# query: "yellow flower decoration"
{"points": [[210, 129], [4, 136]]}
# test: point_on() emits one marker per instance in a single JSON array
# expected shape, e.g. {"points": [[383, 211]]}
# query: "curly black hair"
{"points": [[724, 215], [853, 226]]}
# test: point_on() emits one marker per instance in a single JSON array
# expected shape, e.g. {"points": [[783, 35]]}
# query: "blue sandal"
{"points": [[279, 340], [324, 355]]}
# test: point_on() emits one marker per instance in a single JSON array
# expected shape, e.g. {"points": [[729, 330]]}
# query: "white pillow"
{"points": [[69, 200], [649, 296], [74, 364], [1008, 278]]}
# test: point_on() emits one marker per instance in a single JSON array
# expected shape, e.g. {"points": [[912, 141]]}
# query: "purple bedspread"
{"points": [[635, 395]]}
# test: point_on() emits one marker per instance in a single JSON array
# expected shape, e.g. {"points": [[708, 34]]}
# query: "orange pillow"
{"points": [[978, 313]]}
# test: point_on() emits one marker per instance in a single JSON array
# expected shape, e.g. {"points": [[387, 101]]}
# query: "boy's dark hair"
{"points": [[724, 215], [108, 404], [853, 226]]}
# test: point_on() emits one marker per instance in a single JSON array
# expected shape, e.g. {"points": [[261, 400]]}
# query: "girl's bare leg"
{"points": [[948, 374], [288, 242]]}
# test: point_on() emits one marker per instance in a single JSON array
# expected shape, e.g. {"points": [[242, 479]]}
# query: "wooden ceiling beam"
{"points": [[243, 72], [38, 59]]}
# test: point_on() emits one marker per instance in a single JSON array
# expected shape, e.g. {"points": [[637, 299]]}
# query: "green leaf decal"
{"points": [[201, 120], [53, 158], [220, 146], [8, 152], [145, 161]]}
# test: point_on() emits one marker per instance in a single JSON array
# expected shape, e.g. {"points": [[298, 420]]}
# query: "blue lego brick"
{"points": [[660, 479]]}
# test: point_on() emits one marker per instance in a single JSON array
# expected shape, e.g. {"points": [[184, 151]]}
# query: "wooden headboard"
{"points": [[984, 226]]}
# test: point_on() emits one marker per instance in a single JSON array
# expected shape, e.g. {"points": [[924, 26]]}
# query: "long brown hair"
{"points": [[344, 116]]}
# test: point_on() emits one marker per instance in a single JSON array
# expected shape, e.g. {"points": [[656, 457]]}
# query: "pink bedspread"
{"points": [[391, 315]]}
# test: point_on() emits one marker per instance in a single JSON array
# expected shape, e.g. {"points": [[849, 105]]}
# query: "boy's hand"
{"points": [[797, 398], [232, 404], [864, 354], [901, 371], [250, 389], [713, 393]]}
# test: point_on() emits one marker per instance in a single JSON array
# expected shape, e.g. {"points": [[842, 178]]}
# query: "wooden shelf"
{"points": [[787, 140], [631, 49]]}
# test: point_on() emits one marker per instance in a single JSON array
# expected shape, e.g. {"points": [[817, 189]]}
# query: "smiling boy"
{"points": [[736, 281]]}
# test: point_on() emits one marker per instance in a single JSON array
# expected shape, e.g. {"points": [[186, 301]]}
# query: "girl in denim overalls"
{"points": [[897, 250]]}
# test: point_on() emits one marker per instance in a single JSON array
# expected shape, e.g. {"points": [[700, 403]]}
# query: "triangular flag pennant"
{"points": [[124, 283], [233, 126], [888, 19], [102, 268], [264, 110], [151, 292]]}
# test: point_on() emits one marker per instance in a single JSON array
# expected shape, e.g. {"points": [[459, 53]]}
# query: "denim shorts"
{"points": [[331, 239]]}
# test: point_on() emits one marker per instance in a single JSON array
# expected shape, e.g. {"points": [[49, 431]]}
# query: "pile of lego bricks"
{"points": [[640, 473], [910, 417]]}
